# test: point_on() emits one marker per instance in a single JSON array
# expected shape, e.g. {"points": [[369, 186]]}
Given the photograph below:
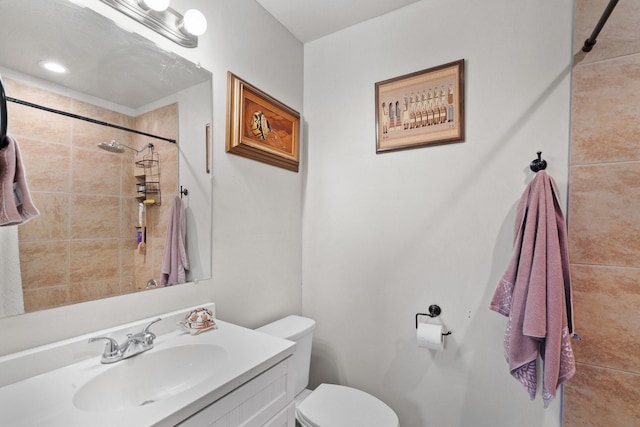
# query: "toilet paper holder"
{"points": [[434, 311]]}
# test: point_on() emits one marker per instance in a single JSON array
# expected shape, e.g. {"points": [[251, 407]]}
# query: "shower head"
{"points": [[112, 146], [115, 147]]}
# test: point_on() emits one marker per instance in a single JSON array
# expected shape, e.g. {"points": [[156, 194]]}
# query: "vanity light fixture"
{"points": [[157, 15], [157, 5]]}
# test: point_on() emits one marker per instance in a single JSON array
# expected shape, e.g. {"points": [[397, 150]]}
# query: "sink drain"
{"points": [[146, 402]]}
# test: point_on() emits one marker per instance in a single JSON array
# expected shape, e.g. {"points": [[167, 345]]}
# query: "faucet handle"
{"points": [[146, 328], [111, 349], [147, 335]]}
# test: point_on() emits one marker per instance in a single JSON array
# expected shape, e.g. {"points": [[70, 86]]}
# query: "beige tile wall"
{"points": [[83, 245], [604, 219]]}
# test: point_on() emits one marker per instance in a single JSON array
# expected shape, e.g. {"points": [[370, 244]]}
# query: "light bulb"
{"points": [[194, 22], [157, 5]]}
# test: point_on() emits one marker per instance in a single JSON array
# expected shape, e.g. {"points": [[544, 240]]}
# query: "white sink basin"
{"points": [[150, 377]]}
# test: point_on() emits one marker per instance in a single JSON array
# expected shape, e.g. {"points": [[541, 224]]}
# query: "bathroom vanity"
{"points": [[229, 376]]}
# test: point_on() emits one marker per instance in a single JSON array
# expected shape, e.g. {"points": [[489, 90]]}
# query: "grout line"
{"points": [[607, 367]]}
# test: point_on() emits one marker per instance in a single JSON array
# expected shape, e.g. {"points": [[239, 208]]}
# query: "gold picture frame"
{"points": [[260, 127], [420, 109]]}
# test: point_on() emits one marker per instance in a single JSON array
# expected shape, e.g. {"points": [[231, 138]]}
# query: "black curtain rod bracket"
{"points": [[591, 41]]}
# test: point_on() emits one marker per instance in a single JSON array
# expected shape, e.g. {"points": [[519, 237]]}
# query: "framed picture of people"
{"points": [[421, 109]]}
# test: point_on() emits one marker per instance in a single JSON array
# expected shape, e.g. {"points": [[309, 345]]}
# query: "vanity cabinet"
{"points": [[266, 400]]}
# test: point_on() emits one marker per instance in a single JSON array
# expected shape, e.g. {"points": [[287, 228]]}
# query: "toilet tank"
{"points": [[300, 330]]}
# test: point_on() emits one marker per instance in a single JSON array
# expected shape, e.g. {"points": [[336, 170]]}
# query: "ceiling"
{"points": [[308, 20]]}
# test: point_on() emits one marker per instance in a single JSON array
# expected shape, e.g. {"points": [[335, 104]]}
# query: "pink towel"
{"points": [[175, 262], [16, 206], [535, 292]]}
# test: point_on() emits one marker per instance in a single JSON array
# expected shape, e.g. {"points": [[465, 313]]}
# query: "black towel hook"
{"points": [[3, 116], [538, 164]]}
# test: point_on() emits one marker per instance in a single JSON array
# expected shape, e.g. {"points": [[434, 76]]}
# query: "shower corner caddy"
{"points": [[148, 182]]}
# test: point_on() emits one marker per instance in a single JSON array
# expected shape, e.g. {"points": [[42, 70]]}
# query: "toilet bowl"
{"points": [[340, 406], [329, 405]]}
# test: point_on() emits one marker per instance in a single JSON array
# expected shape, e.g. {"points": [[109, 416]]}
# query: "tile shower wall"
{"points": [[70, 253], [604, 219]]}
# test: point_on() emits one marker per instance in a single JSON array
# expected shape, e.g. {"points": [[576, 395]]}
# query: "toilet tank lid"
{"points": [[290, 327]]}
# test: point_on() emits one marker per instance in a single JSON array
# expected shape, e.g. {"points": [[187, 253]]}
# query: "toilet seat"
{"points": [[332, 405]]}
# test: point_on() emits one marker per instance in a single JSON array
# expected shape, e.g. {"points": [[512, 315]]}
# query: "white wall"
{"points": [[256, 208], [385, 236]]}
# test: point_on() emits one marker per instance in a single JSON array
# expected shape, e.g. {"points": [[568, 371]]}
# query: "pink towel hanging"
{"points": [[175, 262], [16, 206], [535, 292]]}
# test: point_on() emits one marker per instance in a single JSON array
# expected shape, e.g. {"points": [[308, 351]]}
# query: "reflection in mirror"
{"points": [[104, 213]]}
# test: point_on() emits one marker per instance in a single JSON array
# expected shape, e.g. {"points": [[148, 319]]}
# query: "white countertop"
{"points": [[47, 398]]}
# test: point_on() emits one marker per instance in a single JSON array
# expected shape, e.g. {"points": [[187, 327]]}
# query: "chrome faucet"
{"points": [[135, 344]]}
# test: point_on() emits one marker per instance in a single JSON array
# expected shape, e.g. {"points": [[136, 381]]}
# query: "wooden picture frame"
{"points": [[420, 109], [260, 127]]}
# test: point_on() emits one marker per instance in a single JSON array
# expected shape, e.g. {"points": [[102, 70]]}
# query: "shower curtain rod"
{"points": [[591, 41], [87, 119]]}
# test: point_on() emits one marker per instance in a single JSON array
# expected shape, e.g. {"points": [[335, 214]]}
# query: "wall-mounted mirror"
{"points": [[86, 244]]}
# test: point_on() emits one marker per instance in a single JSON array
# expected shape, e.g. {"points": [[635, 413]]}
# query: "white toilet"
{"points": [[329, 405]]}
